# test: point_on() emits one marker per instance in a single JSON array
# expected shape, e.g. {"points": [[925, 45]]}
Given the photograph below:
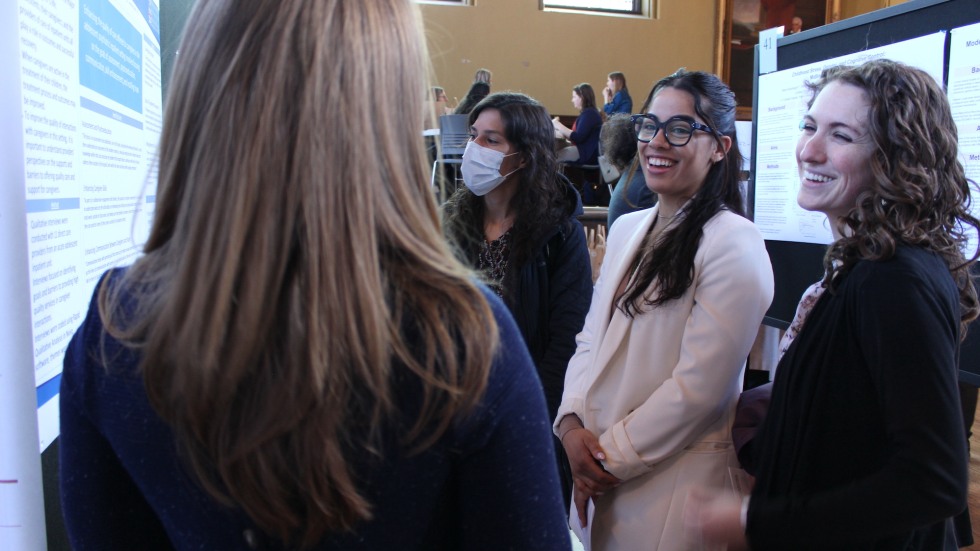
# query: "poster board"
{"points": [[797, 262]]}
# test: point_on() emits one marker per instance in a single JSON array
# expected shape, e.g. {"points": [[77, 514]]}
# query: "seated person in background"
{"points": [[584, 133], [241, 386], [617, 147], [477, 92], [616, 96], [438, 107], [439, 96], [483, 75], [797, 25], [516, 221], [631, 192]]}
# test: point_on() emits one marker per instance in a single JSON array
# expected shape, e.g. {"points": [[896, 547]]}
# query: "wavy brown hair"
{"points": [[295, 245], [540, 201], [667, 264], [920, 195]]}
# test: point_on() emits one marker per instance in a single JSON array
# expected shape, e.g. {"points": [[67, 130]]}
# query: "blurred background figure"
{"points": [[439, 94], [630, 192], [797, 25], [584, 133], [295, 362], [616, 95], [476, 93], [483, 75]]}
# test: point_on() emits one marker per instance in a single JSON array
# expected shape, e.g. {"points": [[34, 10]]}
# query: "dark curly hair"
{"points": [[539, 202], [920, 195], [668, 262]]}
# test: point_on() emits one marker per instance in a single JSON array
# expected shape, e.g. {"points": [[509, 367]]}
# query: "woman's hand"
{"points": [[589, 477], [714, 518], [607, 94], [561, 131]]}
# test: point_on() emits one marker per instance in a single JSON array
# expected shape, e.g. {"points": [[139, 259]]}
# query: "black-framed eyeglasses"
{"points": [[677, 130]]}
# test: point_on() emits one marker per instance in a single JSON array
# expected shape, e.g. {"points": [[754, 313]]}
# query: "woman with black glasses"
{"points": [[649, 393]]}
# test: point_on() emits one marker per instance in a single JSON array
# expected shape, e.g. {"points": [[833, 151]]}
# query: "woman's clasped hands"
{"points": [[589, 477]]}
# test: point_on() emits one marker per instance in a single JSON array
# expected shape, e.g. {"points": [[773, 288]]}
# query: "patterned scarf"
{"points": [[810, 297]]}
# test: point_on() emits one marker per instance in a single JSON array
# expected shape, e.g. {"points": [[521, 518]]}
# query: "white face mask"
{"points": [[481, 168]]}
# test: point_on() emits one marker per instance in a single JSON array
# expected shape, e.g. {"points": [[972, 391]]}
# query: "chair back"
{"points": [[454, 132]]}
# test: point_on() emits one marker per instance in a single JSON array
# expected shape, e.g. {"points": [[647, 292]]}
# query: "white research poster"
{"points": [[963, 90], [782, 104], [81, 109], [92, 111]]}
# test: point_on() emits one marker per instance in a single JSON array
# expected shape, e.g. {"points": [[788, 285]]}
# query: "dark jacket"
{"points": [[862, 447], [585, 136], [621, 103], [553, 297]]}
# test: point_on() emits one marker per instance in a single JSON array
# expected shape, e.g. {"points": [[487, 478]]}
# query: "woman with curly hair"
{"points": [[516, 222], [650, 392], [862, 446]]}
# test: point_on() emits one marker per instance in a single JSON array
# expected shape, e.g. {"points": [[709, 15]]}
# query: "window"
{"points": [[608, 6]]}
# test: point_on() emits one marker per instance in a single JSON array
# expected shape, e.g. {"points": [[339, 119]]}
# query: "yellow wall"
{"points": [[851, 8], [544, 54]]}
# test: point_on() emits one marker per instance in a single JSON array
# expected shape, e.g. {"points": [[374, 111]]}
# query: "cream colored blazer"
{"points": [[659, 389]]}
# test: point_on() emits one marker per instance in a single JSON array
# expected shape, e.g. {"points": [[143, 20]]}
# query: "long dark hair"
{"points": [[920, 195], [539, 202], [668, 263], [477, 92]]}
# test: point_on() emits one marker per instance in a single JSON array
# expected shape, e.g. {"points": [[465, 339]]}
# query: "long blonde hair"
{"points": [[295, 245]]}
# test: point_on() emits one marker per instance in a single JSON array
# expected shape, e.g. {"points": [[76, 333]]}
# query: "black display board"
{"points": [[797, 265]]}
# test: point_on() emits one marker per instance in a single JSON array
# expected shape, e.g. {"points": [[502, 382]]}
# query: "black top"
{"points": [[863, 445]]}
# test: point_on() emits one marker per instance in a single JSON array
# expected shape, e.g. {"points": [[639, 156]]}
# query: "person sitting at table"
{"points": [[616, 96], [584, 133]]}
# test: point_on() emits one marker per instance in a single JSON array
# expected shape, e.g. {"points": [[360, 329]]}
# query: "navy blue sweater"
{"points": [[490, 484]]}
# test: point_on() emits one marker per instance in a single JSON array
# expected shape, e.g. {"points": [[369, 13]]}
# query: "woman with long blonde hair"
{"points": [[297, 359]]}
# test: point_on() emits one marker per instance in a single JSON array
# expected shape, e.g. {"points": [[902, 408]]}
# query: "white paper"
{"points": [[767, 49], [584, 534], [782, 104], [963, 92]]}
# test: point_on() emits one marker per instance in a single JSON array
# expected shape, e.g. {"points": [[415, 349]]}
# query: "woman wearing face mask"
{"points": [[651, 389], [515, 221]]}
